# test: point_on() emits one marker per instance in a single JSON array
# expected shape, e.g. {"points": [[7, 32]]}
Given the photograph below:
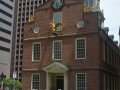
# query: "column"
{"points": [[47, 81], [65, 80]]}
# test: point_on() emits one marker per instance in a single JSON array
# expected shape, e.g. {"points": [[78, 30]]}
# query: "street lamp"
{"points": [[2, 76], [14, 76]]}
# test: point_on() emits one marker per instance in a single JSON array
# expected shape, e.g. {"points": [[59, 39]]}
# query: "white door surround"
{"points": [[56, 68]]}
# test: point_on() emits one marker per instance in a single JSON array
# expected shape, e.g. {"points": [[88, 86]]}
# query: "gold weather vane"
{"points": [[87, 9], [31, 19], [54, 27]]}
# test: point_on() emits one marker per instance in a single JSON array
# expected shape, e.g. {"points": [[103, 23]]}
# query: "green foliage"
{"points": [[0, 81], [11, 82]]}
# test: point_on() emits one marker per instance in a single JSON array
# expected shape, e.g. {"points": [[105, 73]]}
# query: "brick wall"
{"points": [[72, 13]]}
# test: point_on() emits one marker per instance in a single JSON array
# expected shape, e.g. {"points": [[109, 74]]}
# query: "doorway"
{"points": [[60, 83]]}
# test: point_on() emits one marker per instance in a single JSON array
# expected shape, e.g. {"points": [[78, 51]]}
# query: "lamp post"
{"points": [[2, 76], [14, 76]]}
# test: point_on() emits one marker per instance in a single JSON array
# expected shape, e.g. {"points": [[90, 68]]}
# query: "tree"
{"points": [[11, 83]]}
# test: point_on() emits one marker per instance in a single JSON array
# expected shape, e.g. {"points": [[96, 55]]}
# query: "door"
{"points": [[60, 83]]}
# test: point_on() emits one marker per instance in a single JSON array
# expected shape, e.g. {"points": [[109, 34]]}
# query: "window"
{"points": [[57, 19], [36, 52], [17, 40], [20, 4], [27, 3], [11, 0], [80, 48], [35, 82], [88, 3], [5, 13], [39, 1], [4, 39], [21, 64], [104, 51], [21, 51], [104, 82], [81, 81], [6, 4], [21, 57], [57, 50], [5, 22], [17, 63], [16, 57], [35, 7], [5, 31], [21, 46], [35, 2], [44, 1], [23, 10], [32, 2], [17, 35]]}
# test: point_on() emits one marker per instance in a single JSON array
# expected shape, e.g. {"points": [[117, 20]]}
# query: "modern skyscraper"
{"points": [[6, 28], [24, 10]]}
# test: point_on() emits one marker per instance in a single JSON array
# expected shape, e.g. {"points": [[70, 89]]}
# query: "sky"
{"points": [[111, 10]]}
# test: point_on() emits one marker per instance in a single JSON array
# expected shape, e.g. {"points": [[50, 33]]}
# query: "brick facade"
{"points": [[93, 65]]}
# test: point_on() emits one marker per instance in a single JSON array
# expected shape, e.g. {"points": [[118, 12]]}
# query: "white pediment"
{"points": [[56, 68]]}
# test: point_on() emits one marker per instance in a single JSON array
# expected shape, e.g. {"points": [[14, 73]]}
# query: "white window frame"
{"points": [[33, 52], [32, 80], [76, 48], [85, 80], [58, 22], [53, 50]]}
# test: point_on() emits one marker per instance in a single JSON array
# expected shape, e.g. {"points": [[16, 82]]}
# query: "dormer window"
{"points": [[88, 3]]}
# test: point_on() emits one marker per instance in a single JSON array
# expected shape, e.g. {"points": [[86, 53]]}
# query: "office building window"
{"points": [[44, 1], [88, 3], [21, 57], [11, 0], [57, 20], [35, 82], [81, 81], [80, 48], [2, 2], [5, 13], [35, 2], [57, 50], [5, 22], [35, 7], [36, 52], [27, 3]]}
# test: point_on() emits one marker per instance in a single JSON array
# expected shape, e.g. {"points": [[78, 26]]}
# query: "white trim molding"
{"points": [[76, 48]]}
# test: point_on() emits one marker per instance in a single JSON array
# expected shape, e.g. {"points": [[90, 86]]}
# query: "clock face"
{"points": [[57, 4], [36, 29], [80, 24]]}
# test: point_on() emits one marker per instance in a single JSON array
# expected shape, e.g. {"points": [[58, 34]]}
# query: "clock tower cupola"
{"points": [[93, 4]]}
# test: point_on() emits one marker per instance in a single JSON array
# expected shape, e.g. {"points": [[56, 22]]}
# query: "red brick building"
{"points": [[66, 47]]}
